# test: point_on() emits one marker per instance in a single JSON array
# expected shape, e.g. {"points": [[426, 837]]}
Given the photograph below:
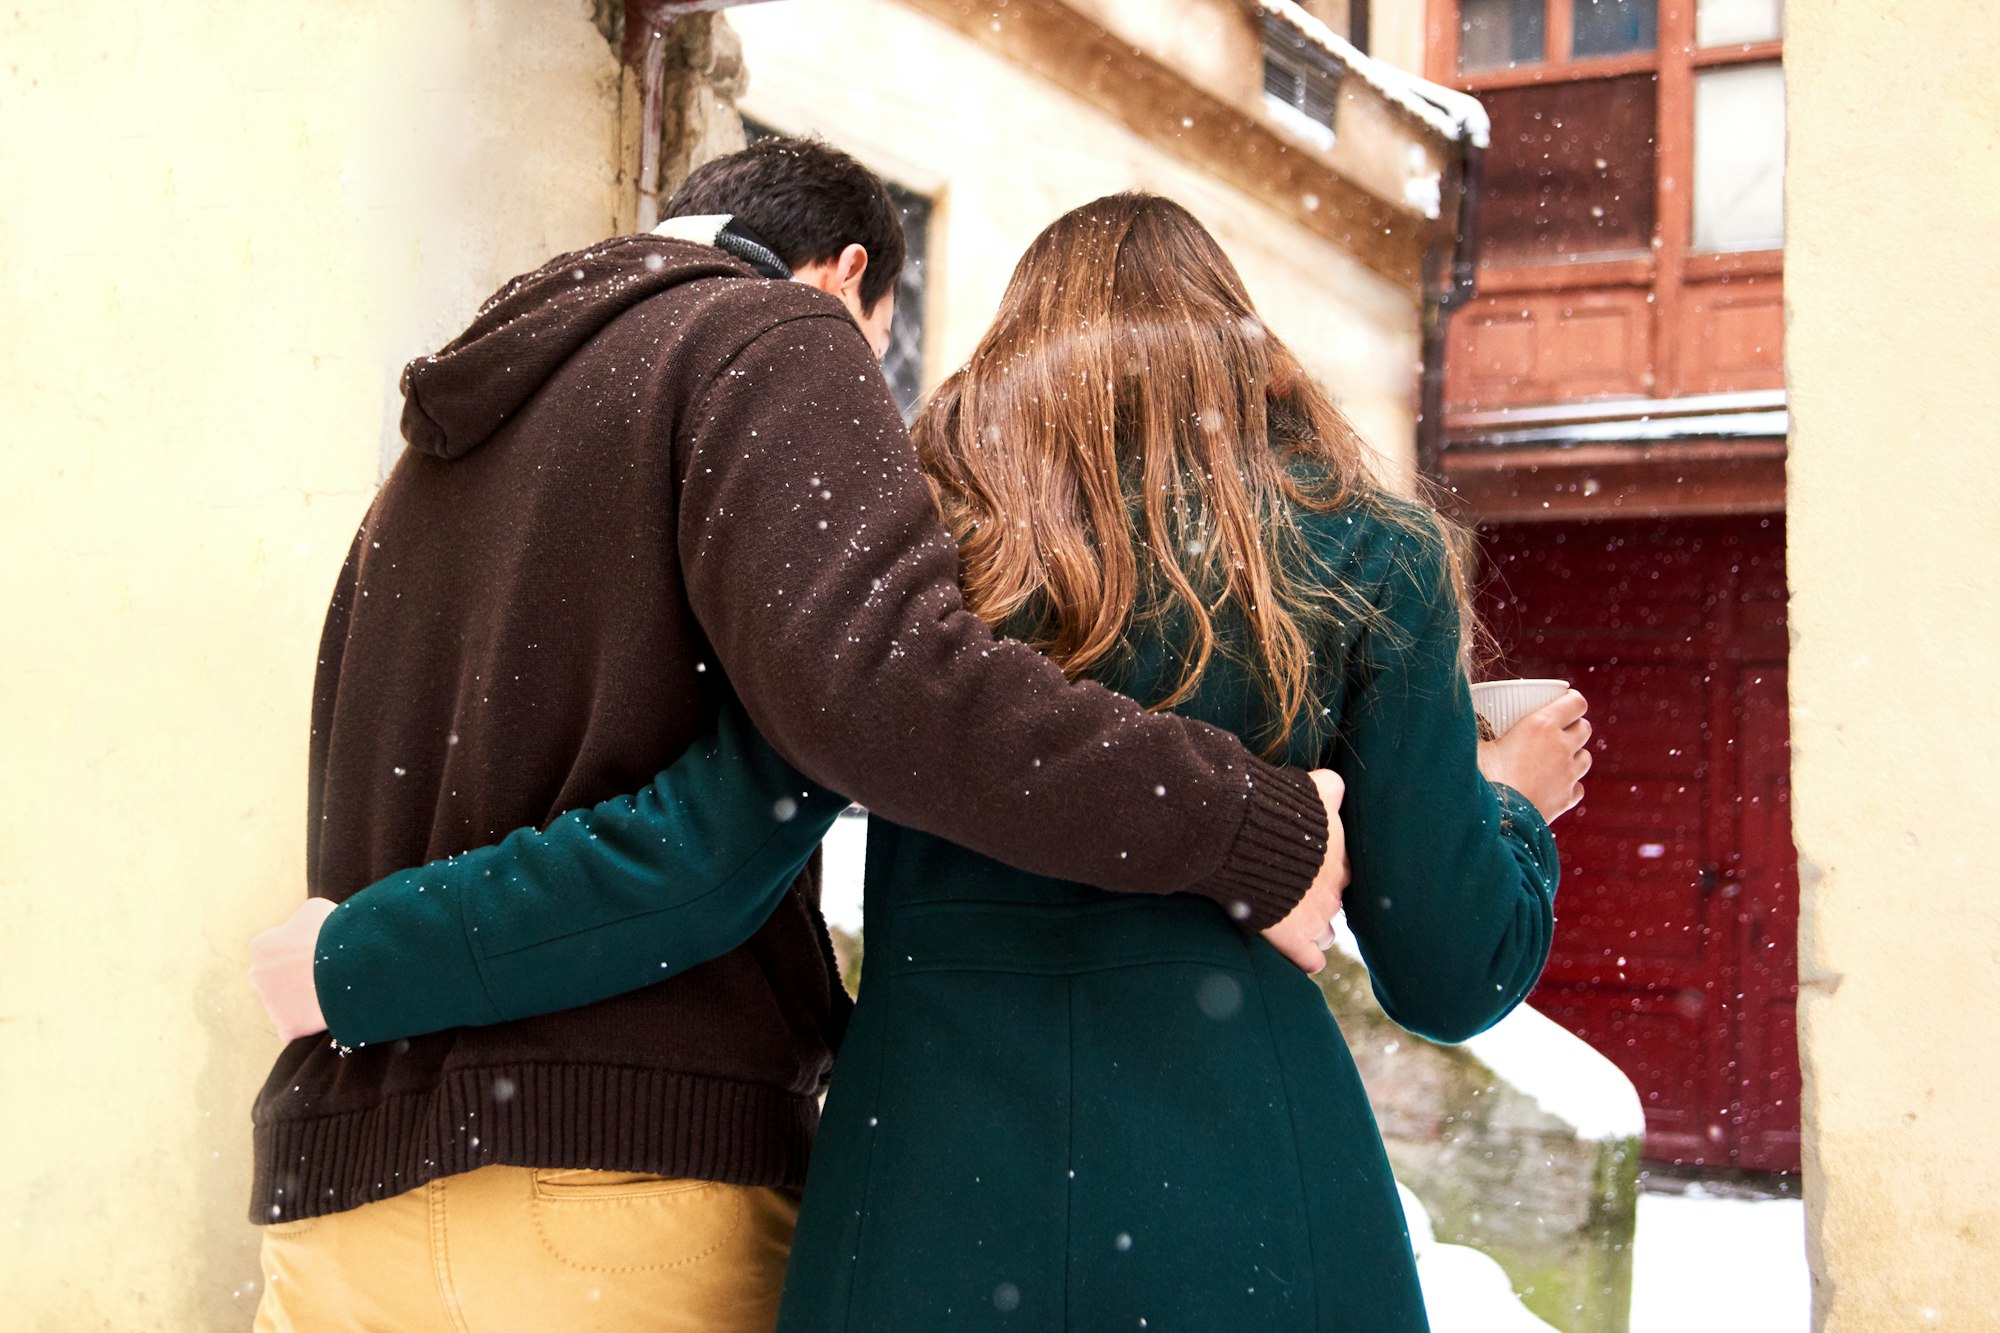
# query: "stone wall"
{"points": [[1497, 1170], [695, 66]]}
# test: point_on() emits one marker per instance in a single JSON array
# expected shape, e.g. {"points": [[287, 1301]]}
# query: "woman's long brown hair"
{"points": [[1129, 441]]}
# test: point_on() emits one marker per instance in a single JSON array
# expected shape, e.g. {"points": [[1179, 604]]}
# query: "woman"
{"points": [[1059, 1108]]}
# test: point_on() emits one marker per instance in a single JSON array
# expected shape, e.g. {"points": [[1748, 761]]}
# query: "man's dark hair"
{"points": [[806, 200]]}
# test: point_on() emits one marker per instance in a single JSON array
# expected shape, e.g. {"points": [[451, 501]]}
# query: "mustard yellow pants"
{"points": [[507, 1249]]}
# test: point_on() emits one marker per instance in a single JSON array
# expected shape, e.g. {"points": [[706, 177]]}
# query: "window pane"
{"points": [[1570, 172], [1739, 158], [1494, 34], [903, 363], [903, 366], [1613, 27], [1734, 22]]}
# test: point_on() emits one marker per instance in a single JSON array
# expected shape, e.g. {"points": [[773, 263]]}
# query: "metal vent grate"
{"points": [[1300, 74]]}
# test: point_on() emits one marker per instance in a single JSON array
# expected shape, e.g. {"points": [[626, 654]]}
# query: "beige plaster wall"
{"points": [[224, 225], [1396, 33], [1333, 13], [1893, 206], [1003, 154], [1215, 43]]}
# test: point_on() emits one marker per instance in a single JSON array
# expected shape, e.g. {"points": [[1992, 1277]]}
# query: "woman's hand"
{"points": [[1306, 933], [1543, 756], [281, 970]]}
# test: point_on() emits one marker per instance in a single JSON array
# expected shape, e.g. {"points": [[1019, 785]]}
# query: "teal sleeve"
{"points": [[1453, 879], [602, 901]]}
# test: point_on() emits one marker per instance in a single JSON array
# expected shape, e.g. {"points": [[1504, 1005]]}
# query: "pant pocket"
{"points": [[628, 1222], [574, 1185]]}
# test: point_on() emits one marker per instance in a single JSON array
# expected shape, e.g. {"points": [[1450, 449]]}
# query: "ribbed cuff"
{"points": [[397, 963], [1279, 847]]}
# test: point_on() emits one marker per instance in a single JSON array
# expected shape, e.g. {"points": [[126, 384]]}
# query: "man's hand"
{"points": [[1543, 756], [1306, 933], [281, 970]]}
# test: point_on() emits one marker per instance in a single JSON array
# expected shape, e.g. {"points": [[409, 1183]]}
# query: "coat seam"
{"points": [[1298, 1162], [867, 1181], [1069, 1158]]}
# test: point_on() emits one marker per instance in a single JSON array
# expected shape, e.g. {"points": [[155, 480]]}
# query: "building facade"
{"points": [[225, 229], [990, 122], [1615, 421]]}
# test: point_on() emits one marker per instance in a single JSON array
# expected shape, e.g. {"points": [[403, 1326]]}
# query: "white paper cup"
{"points": [[1504, 702]]}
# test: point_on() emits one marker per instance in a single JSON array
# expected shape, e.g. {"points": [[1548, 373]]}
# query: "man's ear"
{"points": [[853, 262], [839, 276]]}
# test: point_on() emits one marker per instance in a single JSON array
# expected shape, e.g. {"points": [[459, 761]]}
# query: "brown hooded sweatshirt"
{"points": [[643, 474]]}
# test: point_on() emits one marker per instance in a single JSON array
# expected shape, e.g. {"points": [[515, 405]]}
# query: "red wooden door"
{"points": [[1675, 940], [1767, 920]]}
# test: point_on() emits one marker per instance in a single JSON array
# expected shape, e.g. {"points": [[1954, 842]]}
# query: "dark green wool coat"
{"points": [[1057, 1108]]}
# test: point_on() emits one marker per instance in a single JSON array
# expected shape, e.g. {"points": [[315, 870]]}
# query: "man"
{"points": [[653, 476]]}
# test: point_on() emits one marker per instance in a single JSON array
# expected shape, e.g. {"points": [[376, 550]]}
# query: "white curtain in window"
{"points": [[1739, 158], [1734, 22]]}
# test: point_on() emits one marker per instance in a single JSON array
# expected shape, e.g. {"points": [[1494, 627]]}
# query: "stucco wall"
{"points": [[224, 225], [1892, 209], [1211, 42], [1003, 154], [1396, 33]]}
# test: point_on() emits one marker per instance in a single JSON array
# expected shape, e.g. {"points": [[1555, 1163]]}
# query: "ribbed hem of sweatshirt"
{"points": [[1278, 849], [590, 1117]]}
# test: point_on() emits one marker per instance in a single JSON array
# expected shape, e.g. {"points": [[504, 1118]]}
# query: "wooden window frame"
{"points": [[1675, 43], [1674, 60]]}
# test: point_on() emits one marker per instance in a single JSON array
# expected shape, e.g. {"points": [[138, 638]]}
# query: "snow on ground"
{"points": [[1700, 1264], [1720, 1265], [1465, 1291], [843, 857]]}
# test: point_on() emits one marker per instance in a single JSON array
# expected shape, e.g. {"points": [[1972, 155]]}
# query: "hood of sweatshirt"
{"points": [[457, 398]]}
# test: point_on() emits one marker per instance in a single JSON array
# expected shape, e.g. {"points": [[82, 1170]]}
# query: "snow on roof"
{"points": [[1453, 114]]}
